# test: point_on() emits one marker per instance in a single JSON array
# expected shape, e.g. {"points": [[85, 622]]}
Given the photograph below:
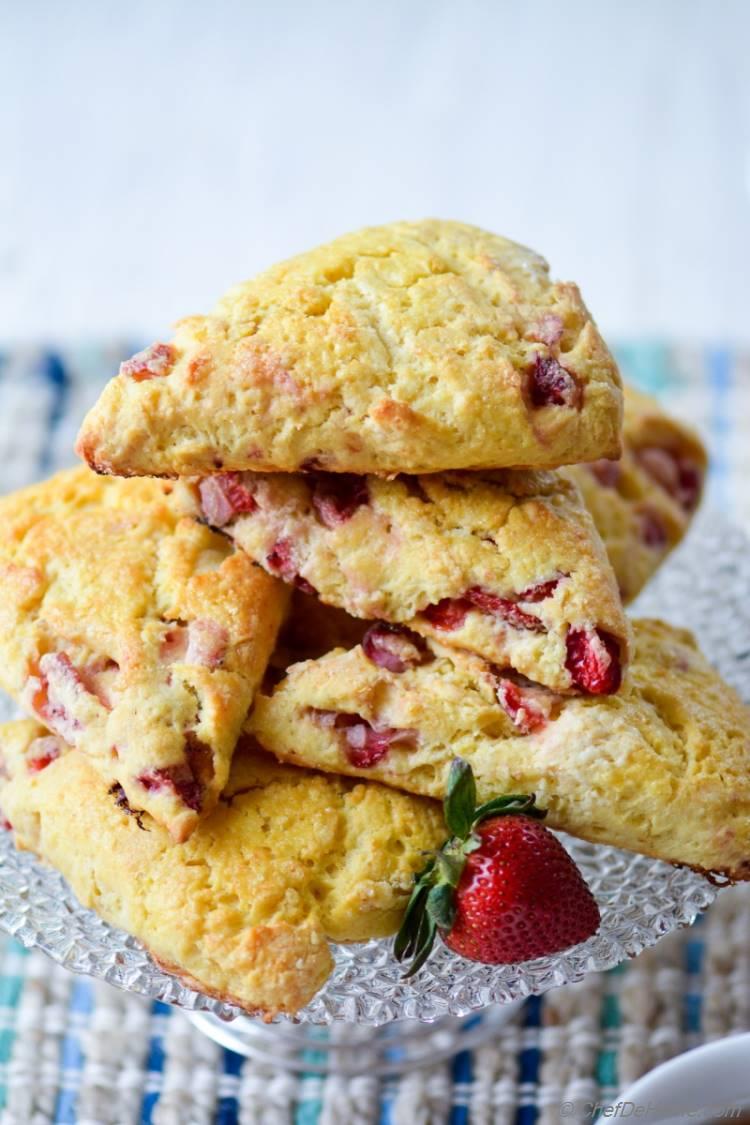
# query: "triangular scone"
{"points": [[244, 908], [505, 564], [411, 347], [661, 768], [643, 504], [134, 632]]}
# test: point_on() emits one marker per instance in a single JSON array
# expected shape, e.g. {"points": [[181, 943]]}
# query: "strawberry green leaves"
{"points": [[460, 805], [460, 801]]}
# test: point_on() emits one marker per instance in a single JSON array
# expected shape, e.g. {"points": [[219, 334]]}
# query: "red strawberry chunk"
{"points": [[680, 476], [505, 608], [156, 360], [551, 384], [393, 647], [216, 507], [593, 660], [224, 497], [281, 561], [448, 614], [238, 494], [365, 745], [691, 482], [336, 497], [41, 752], [53, 690], [652, 530], [608, 473], [540, 591], [207, 643], [180, 779], [523, 711]]}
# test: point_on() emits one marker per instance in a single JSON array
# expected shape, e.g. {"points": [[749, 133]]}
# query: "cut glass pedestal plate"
{"points": [[367, 1018]]}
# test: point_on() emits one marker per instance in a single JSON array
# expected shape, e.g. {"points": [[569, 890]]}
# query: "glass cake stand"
{"points": [[367, 1019]]}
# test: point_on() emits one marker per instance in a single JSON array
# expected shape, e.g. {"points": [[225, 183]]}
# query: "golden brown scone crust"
{"points": [[640, 516], [244, 908], [661, 768], [134, 632], [520, 543], [411, 347]]}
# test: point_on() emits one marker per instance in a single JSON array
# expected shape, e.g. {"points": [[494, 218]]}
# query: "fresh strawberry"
{"points": [[502, 889]]}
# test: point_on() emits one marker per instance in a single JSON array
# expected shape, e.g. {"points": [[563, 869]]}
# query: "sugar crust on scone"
{"points": [[643, 503], [244, 909], [661, 768], [134, 632], [505, 564], [410, 347]]}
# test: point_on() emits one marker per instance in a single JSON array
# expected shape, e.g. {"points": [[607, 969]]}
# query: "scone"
{"points": [[643, 504], [244, 908], [412, 347], [661, 768], [134, 632], [506, 564]]}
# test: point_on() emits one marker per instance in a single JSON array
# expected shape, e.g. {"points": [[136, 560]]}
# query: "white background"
{"points": [[152, 154]]}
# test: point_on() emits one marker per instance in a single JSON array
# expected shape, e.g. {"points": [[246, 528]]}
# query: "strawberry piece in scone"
{"points": [[643, 504], [135, 633], [411, 347], [507, 565], [244, 910], [662, 767]]}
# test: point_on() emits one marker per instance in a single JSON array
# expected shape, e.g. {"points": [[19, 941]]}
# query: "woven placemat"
{"points": [[73, 1050]]}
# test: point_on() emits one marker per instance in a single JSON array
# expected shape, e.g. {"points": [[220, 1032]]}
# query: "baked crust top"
{"points": [[409, 347], [245, 908], [134, 632]]}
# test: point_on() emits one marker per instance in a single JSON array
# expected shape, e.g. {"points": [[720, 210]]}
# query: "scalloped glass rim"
{"points": [[702, 587]]}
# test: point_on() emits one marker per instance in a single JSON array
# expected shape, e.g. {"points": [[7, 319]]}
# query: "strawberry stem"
{"points": [[509, 805]]}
